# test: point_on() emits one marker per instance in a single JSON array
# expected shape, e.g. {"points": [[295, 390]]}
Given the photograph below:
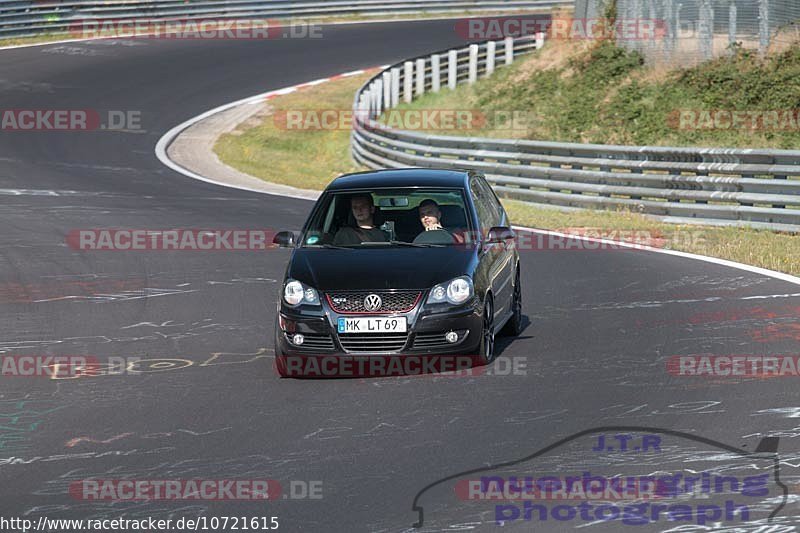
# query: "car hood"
{"points": [[380, 268]]}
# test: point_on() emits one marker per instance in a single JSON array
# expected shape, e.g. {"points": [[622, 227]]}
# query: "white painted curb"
{"points": [[163, 143]]}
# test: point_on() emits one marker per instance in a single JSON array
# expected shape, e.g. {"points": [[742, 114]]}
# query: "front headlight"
{"points": [[295, 293], [456, 291]]}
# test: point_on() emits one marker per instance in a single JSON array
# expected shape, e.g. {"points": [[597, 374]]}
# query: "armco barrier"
{"points": [[757, 188], [34, 17]]}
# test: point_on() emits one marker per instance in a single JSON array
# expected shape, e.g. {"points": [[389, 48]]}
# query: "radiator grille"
{"points": [[391, 301], [386, 342]]}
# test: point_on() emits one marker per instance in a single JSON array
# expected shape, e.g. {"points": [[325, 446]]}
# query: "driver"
{"points": [[363, 210], [430, 217]]}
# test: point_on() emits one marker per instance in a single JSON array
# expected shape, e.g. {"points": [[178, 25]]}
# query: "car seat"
{"points": [[454, 220]]}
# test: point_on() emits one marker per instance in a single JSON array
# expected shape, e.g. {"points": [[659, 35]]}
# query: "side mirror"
{"points": [[284, 239], [500, 234]]}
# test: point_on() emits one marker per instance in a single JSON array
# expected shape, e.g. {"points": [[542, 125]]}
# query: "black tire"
{"points": [[514, 325], [486, 350], [281, 366]]}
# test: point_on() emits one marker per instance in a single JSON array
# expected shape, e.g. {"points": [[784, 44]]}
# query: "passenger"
{"points": [[430, 217], [363, 210]]}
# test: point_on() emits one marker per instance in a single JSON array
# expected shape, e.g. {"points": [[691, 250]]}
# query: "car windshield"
{"points": [[390, 217]]}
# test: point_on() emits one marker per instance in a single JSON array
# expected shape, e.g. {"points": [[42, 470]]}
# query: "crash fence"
{"points": [[718, 186], [692, 31]]}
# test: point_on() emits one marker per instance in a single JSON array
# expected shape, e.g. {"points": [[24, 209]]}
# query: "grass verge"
{"points": [[595, 92], [308, 158], [311, 158], [38, 39]]}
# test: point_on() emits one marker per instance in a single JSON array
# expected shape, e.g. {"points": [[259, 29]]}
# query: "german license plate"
{"points": [[372, 325]]}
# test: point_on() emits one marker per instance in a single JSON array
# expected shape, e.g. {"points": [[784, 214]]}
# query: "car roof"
{"points": [[407, 177]]}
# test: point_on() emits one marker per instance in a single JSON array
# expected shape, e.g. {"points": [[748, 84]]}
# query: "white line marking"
{"points": [[771, 296], [313, 83], [723, 262], [164, 142]]}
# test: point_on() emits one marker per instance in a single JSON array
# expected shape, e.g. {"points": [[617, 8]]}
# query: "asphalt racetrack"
{"points": [[207, 403]]}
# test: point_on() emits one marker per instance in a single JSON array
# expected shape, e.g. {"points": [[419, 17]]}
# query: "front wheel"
{"points": [[486, 351], [281, 365], [514, 325]]}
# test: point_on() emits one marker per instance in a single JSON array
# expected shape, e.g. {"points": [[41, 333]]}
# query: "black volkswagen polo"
{"points": [[399, 263]]}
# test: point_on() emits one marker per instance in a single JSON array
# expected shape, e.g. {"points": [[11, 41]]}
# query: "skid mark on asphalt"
{"points": [[739, 316], [195, 329], [662, 303], [139, 366], [645, 410], [102, 290], [57, 193], [788, 433], [146, 292], [209, 468], [166, 324], [105, 168], [9, 346], [776, 332], [20, 419], [7, 85], [11, 292], [116, 42], [17, 460], [786, 412], [696, 283], [526, 417], [78, 440], [328, 433], [243, 280], [74, 51], [256, 466]]}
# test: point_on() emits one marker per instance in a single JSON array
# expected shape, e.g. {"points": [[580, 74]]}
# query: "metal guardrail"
{"points": [[35, 17], [717, 186]]}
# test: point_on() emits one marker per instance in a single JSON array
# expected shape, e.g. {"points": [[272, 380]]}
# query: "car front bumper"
{"points": [[425, 333]]}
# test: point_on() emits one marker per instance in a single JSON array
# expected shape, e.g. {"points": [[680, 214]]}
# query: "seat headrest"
{"points": [[377, 218], [453, 216]]}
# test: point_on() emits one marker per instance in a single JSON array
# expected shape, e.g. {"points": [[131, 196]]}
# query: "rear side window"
{"points": [[497, 209], [489, 211]]}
